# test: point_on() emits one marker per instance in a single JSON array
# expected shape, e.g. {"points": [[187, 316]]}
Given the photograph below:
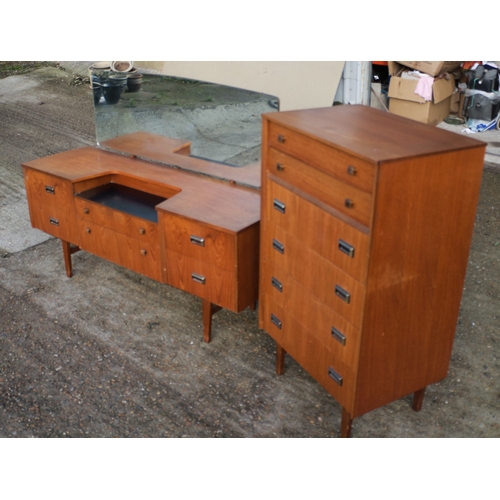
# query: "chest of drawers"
{"points": [[366, 223]]}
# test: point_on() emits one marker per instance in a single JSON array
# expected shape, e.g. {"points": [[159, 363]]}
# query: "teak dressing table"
{"points": [[189, 226]]}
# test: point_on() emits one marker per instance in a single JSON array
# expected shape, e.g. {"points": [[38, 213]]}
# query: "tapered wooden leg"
{"points": [[280, 360], [68, 251], [208, 310], [346, 424], [67, 258], [418, 399]]}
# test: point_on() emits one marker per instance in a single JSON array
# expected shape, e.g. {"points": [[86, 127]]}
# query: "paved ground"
{"points": [[109, 353]]}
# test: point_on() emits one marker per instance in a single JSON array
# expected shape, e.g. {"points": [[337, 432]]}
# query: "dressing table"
{"points": [[144, 201]]}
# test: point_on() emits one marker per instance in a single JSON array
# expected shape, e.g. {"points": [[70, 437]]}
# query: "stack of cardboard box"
{"points": [[404, 101]]}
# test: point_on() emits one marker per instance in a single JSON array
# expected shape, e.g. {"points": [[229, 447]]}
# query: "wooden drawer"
{"points": [[202, 279], [121, 222], [325, 324], [325, 281], [309, 352], [46, 189], [277, 244], [57, 221], [341, 196], [200, 242], [349, 169], [139, 256], [328, 236]]}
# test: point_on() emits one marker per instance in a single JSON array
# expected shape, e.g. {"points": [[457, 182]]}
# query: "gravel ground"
{"points": [[109, 353]]}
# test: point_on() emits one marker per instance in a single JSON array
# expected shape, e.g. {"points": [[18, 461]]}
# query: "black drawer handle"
{"points": [[276, 321], [196, 240], [335, 376], [351, 170], [339, 336], [50, 190], [278, 246], [346, 248], [279, 206], [198, 278], [277, 284], [281, 138], [349, 203], [53, 221], [343, 294], [280, 167]]}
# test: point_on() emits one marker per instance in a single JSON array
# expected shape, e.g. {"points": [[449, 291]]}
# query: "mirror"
{"points": [[222, 123]]}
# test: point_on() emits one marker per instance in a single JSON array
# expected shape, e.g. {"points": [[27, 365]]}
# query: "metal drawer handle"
{"points": [[279, 206], [53, 221], [281, 138], [340, 292], [85, 210], [335, 376], [88, 230], [277, 284], [196, 240], [351, 170], [276, 321], [50, 190], [346, 248], [339, 336], [278, 246], [144, 252], [349, 203], [280, 167], [142, 230], [198, 278]]}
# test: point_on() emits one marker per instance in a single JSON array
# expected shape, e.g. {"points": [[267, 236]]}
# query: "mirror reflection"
{"points": [[222, 123]]}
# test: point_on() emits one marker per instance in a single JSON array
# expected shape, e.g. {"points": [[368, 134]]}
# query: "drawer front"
{"points": [[278, 245], [55, 221], [326, 282], [138, 256], [201, 279], [351, 170], [115, 220], [341, 196], [330, 371], [321, 321], [45, 189], [325, 234], [200, 242]]}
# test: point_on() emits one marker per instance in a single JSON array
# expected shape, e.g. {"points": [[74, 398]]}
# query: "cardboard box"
{"points": [[404, 102], [432, 68]]}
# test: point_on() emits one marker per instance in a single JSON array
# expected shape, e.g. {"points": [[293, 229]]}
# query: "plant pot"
{"points": [[97, 90], [112, 92], [122, 66], [134, 82]]}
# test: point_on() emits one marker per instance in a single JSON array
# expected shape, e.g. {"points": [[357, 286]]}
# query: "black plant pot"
{"points": [[112, 93]]}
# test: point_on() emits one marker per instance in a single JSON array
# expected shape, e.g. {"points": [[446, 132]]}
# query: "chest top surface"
{"points": [[372, 134]]}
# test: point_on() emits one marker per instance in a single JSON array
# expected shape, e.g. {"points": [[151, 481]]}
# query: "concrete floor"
{"points": [[109, 353]]}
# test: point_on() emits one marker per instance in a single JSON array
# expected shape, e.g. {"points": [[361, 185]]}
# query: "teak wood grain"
{"points": [[408, 258]]}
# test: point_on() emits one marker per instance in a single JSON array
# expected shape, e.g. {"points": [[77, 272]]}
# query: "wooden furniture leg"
{"points": [[418, 398], [346, 424], [208, 310], [280, 360], [68, 250]]}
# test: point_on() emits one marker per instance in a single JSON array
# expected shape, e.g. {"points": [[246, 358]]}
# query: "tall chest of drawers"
{"points": [[366, 224]]}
